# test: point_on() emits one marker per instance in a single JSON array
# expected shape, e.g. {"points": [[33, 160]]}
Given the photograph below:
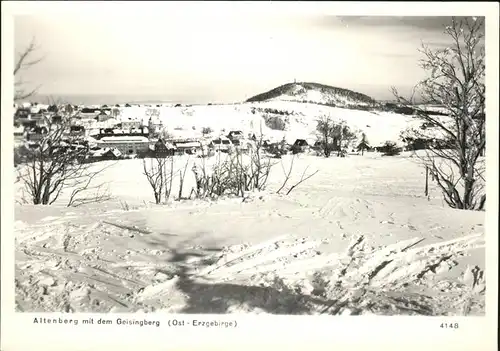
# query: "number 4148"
{"points": [[449, 325]]}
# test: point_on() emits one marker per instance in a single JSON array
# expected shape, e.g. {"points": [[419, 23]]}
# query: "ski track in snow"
{"points": [[334, 246]]}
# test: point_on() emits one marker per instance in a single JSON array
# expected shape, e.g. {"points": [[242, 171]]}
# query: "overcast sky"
{"points": [[196, 57]]}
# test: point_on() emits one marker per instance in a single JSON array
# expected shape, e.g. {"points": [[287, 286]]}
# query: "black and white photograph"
{"points": [[249, 162]]}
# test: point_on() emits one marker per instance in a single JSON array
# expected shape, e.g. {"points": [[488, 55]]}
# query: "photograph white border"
{"points": [[285, 332]]}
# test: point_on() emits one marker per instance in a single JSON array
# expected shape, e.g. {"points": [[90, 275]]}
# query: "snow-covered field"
{"points": [[359, 237]]}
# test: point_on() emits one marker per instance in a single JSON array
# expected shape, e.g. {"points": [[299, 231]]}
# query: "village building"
{"points": [[126, 144], [88, 113], [163, 148], [235, 136], [299, 146], [190, 147], [222, 144], [36, 134], [99, 154], [103, 116], [26, 118], [38, 108], [38, 118], [154, 126], [18, 131], [119, 130], [77, 131], [22, 114], [111, 154], [56, 119], [130, 124]]}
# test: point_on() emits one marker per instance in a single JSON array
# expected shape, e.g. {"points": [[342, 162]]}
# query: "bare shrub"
{"points": [[235, 175], [288, 174], [457, 83], [226, 178], [238, 173]]}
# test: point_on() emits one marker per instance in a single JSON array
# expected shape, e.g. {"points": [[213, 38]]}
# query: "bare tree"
{"points": [[53, 164], [155, 173], [326, 129], [456, 82], [333, 135], [182, 178], [160, 174], [24, 60], [169, 175]]}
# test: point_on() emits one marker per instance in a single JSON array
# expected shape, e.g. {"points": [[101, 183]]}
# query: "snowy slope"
{"points": [[358, 238]]}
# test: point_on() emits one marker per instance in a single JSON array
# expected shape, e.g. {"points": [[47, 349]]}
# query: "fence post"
{"points": [[426, 181]]}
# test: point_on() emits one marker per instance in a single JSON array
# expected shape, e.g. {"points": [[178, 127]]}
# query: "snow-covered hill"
{"points": [[315, 93], [277, 120]]}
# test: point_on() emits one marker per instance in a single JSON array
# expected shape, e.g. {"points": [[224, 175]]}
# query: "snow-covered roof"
{"points": [[116, 152], [19, 129], [167, 144], [188, 144], [124, 138], [103, 151]]}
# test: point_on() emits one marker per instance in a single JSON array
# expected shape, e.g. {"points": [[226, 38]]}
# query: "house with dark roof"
{"points": [[102, 116], [56, 119], [300, 145], [163, 148]]}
